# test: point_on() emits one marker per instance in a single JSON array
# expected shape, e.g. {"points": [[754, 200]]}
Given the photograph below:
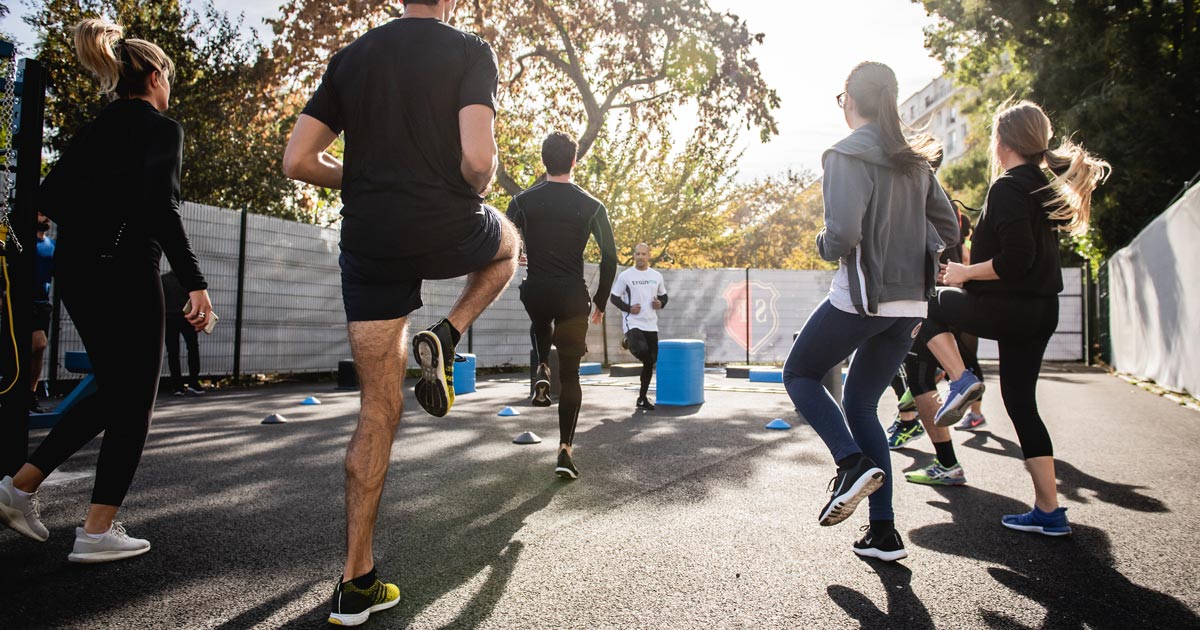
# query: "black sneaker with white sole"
{"points": [[565, 468], [888, 547], [644, 403], [541, 387], [433, 349], [352, 604], [852, 484]]}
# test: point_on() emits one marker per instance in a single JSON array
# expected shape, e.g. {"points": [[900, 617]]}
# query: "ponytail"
{"points": [[1026, 129], [875, 91], [120, 65]]}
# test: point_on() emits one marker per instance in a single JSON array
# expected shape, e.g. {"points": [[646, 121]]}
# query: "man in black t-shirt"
{"points": [[415, 100], [556, 218]]}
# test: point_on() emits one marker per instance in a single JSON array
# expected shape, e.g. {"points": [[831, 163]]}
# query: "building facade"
{"points": [[934, 109]]}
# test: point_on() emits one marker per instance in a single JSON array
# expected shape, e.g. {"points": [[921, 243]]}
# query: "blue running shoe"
{"points": [[1048, 523], [966, 390]]}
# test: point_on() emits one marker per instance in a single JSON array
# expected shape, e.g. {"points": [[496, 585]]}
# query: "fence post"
{"points": [[748, 343], [241, 291], [1087, 313]]}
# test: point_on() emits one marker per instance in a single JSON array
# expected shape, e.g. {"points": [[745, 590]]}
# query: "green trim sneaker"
{"points": [[433, 348], [901, 437], [352, 605], [936, 474]]}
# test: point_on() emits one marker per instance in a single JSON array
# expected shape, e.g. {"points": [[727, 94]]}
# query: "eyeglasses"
{"points": [[841, 100]]}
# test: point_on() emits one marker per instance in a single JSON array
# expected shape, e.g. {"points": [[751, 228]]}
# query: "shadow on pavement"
{"points": [[904, 608], [1073, 577], [1072, 482]]}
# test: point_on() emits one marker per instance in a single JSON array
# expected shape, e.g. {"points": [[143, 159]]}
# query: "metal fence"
{"points": [[292, 318]]}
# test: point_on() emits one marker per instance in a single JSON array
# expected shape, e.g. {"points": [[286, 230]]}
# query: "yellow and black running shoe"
{"points": [[433, 349], [352, 605]]}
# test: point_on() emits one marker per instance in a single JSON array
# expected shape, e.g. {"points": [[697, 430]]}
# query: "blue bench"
{"points": [[76, 363], [766, 375]]}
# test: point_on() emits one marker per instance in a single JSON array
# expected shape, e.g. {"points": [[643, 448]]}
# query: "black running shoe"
{"points": [[353, 605], [851, 485], [565, 467], [434, 352], [541, 387], [888, 547], [644, 403], [34, 404]]}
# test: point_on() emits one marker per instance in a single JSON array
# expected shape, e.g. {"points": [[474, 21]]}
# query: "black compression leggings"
{"points": [[644, 345], [558, 318], [119, 316], [1022, 327]]}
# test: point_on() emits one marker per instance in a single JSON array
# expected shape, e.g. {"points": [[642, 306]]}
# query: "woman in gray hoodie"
{"points": [[886, 221]]}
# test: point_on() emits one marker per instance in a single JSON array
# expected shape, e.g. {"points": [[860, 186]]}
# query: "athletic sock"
{"points": [[21, 493], [945, 453], [455, 336], [907, 425], [880, 528], [849, 460], [365, 581]]}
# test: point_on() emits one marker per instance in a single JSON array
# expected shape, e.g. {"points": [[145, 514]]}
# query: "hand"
{"points": [[597, 315], [656, 304], [954, 274], [523, 260], [201, 309], [635, 309]]}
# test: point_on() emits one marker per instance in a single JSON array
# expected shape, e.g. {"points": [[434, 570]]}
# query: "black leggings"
{"points": [[1022, 327], [119, 315], [559, 315], [179, 327], [644, 345]]}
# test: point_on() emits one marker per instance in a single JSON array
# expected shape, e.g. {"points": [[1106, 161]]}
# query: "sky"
{"points": [[809, 48]]}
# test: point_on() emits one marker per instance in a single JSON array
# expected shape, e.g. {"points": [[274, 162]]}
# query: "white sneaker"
{"points": [[115, 544], [19, 511]]}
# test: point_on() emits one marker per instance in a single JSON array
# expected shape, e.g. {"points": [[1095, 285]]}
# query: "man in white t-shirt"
{"points": [[639, 293]]}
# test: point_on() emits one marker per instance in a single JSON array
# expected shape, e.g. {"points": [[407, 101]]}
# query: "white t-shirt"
{"points": [[639, 287]]}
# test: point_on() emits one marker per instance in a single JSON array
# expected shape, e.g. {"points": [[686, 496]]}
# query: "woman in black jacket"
{"points": [[115, 196], [1010, 291]]}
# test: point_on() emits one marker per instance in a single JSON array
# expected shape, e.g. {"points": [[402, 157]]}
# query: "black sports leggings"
{"points": [[1022, 327], [644, 345], [559, 315], [118, 310]]}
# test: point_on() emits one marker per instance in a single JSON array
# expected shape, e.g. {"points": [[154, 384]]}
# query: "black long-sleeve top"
{"points": [[114, 194], [555, 220], [1016, 233]]}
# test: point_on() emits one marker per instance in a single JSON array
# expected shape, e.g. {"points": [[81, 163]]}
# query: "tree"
{"points": [[572, 64], [773, 223], [1124, 76], [223, 94]]}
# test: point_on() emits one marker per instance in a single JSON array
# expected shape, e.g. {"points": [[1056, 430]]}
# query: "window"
{"points": [[952, 141]]}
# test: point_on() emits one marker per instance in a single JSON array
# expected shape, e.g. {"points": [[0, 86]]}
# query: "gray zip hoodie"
{"points": [[886, 230]]}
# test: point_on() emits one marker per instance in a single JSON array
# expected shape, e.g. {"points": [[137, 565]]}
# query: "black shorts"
{"points": [[41, 316], [920, 366], [390, 288]]}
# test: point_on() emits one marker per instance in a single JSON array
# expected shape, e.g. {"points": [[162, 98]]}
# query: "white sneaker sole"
{"points": [[16, 521], [879, 554], [432, 391], [955, 408], [96, 557], [566, 473], [1037, 529], [844, 505], [357, 619]]}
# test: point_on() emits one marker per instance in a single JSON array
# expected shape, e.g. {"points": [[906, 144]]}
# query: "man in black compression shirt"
{"points": [[556, 217]]}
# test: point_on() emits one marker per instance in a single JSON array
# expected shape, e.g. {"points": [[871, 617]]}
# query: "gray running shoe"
{"points": [[20, 513], [115, 544]]}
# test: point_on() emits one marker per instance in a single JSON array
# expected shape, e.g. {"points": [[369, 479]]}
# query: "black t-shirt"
{"points": [[1016, 233], [396, 93], [556, 219]]}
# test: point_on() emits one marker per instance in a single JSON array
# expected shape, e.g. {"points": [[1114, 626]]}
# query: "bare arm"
{"points": [[954, 274], [476, 124], [305, 158]]}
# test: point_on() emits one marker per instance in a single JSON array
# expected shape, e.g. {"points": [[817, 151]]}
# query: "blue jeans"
{"points": [[880, 345]]}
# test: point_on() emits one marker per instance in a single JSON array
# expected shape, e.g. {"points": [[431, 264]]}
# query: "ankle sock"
{"points": [[849, 460], [21, 493], [881, 528], [945, 453], [455, 336], [909, 424], [365, 581]]}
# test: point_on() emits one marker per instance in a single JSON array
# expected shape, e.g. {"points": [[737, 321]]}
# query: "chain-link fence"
{"points": [[292, 320]]}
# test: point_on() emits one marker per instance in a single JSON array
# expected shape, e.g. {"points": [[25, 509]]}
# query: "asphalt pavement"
{"points": [[692, 517]]}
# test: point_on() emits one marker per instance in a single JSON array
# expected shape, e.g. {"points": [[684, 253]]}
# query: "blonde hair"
{"points": [[120, 65], [875, 91], [1025, 128]]}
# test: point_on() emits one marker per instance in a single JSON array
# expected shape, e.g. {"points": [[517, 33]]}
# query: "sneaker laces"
{"points": [[35, 505], [833, 481], [118, 530]]}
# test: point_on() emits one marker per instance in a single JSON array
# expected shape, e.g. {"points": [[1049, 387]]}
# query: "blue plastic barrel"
{"points": [[680, 372], [464, 375]]}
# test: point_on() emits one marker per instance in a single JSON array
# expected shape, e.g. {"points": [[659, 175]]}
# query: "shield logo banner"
{"points": [[751, 318]]}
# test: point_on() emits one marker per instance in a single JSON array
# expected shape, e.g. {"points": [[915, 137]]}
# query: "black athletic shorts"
{"points": [[41, 316], [390, 288]]}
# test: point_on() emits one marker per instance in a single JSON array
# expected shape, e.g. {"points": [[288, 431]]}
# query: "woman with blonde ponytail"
{"points": [[886, 221], [1010, 291], [115, 196]]}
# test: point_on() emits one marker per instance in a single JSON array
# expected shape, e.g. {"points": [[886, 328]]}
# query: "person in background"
{"points": [[175, 297], [41, 309]]}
